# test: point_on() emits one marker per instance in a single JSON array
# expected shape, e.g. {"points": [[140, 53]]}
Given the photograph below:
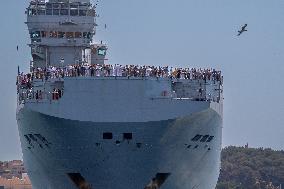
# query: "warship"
{"points": [[87, 124]]}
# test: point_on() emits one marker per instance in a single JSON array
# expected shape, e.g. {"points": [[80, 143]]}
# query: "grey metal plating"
{"points": [[157, 147], [110, 132]]}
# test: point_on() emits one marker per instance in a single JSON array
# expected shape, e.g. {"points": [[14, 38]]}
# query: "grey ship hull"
{"points": [[55, 147], [109, 130]]}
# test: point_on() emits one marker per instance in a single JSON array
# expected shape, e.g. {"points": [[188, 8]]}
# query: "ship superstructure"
{"points": [[61, 33], [90, 125]]}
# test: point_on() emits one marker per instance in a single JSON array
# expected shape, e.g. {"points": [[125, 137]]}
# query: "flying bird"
{"points": [[243, 29]]}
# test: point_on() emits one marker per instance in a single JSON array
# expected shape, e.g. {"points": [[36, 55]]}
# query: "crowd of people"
{"points": [[120, 71], [128, 71], [56, 94]]}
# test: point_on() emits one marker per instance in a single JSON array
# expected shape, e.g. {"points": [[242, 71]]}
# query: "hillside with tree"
{"points": [[248, 168]]}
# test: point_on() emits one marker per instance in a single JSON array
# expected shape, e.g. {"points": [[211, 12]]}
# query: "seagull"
{"points": [[243, 29]]}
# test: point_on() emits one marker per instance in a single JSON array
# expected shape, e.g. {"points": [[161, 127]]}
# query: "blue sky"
{"points": [[195, 33]]}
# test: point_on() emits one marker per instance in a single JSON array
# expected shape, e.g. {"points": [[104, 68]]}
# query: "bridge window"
{"points": [[82, 12], [64, 6], [73, 6], [78, 35], [101, 52], [85, 35], [43, 34], [53, 34], [32, 12], [89, 36], [29, 11], [69, 34], [55, 6], [55, 11], [74, 11], [61, 34], [48, 11], [49, 5], [41, 11], [63, 11], [35, 34]]}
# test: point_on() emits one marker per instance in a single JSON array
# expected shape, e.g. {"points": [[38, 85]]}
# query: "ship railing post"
{"points": [[46, 57]]}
